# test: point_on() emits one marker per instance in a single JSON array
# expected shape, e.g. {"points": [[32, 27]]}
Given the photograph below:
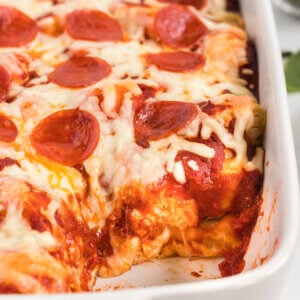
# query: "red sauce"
{"points": [[57, 254], [252, 79], [122, 225], [199, 4], [251, 150], [99, 94], [84, 239], [242, 199], [246, 208], [5, 82], [31, 75], [212, 109], [212, 190], [234, 261], [131, 199], [172, 188], [33, 203], [6, 162], [3, 211], [246, 194], [6, 288], [104, 248], [232, 5], [232, 125], [147, 91], [36, 220], [196, 274], [85, 176], [46, 281], [217, 194]]}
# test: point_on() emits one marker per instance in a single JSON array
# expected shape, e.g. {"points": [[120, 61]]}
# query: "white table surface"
{"points": [[288, 29]]}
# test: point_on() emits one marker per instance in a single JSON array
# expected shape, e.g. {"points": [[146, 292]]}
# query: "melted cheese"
{"points": [[38, 8], [179, 173], [15, 233], [117, 158], [117, 143]]}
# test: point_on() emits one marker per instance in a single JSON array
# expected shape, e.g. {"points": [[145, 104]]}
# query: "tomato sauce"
{"points": [[232, 5], [251, 77], [245, 208], [33, 204], [6, 162], [8, 289], [81, 236]]}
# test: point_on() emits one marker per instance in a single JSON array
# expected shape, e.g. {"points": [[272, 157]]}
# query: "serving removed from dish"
{"points": [[130, 131]]}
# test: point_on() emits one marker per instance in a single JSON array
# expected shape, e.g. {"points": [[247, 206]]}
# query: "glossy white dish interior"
{"points": [[275, 234]]}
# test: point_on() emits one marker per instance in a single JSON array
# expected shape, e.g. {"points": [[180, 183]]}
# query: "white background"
{"points": [[288, 29]]}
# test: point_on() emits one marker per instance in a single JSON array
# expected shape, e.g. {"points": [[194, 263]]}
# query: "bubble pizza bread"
{"points": [[129, 131]]}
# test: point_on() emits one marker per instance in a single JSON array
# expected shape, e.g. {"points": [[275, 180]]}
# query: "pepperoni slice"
{"points": [[196, 3], [8, 130], [67, 136], [16, 29], [156, 120], [80, 71], [180, 61], [177, 26], [93, 25], [4, 84]]}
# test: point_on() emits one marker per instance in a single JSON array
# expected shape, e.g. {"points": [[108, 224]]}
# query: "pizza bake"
{"points": [[129, 131]]}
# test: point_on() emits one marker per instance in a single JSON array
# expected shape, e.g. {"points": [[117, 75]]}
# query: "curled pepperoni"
{"points": [[67, 136], [156, 120], [80, 71], [180, 61], [177, 26], [196, 3], [16, 29], [4, 84], [8, 130], [93, 25]]}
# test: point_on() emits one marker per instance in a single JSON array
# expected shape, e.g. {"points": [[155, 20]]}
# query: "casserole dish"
{"points": [[275, 233]]}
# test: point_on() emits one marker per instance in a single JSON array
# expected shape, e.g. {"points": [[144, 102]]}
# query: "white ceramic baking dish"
{"points": [[273, 241]]}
